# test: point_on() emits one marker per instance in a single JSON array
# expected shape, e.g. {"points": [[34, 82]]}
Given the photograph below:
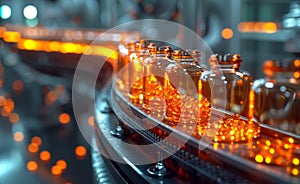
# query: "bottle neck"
{"points": [[185, 60], [233, 67]]}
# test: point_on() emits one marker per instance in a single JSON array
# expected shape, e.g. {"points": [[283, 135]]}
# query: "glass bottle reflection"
{"points": [[181, 88], [277, 96], [225, 85], [136, 71], [154, 68]]}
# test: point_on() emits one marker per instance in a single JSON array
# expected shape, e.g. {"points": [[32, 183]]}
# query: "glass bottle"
{"points": [[123, 60], [154, 102], [123, 54], [136, 72], [228, 88], [181, 89], [225, 85], [277, 96]]}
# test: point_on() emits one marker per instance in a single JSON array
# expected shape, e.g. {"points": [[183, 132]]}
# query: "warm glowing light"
{"points": [[64, 118], [227, 33], [295, 172], [67, 48], [295, 161], [33, 148], [87, 50], [55, 170], [297, 75], [63, 47], [259, 158], [91, 121], [61, 164], [30, 44], [291, 140], [80, 151], [51, 97], [268, 142], [13, 118], [297, 63], [4, 113], [272, 151], [286, 146], [269, 27], [45, 155], [54, 46], [18, 136], [258, 27], [36, 140], [18, 86], [9, 105], [2, 31], [11, 36], [268, 160], [104, 51], [32, 166], [251, 104]]}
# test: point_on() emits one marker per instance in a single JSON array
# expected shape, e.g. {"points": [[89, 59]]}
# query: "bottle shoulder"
{"points": [[227, 74]]}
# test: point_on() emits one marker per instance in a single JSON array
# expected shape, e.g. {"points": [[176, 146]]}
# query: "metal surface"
{"points": [[101, 172], [262, 173]]}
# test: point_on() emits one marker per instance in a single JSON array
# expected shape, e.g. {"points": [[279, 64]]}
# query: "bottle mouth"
{"points": [[233, 60], [225, 61]]}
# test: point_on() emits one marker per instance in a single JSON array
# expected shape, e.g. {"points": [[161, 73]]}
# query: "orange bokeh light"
{"points": [[18, 86], [61, 164], [11, 36], [80, 151], [227, 33], [55, 170], [54, 46], [13, 118], [32, 166], [30, 44], [269, 27], [91, 121], [64, 118], [51, 97], [258, 27], [259, 158], [33, 147], [2, 31], [297, 63], [9, 103], [36, 140], [45, 155], [18, 136]]}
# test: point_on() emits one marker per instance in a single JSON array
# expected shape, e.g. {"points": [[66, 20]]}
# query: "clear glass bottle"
{"points": [[181, 89], [136, 72], [228, 88], [225, 85], [123, 71], [154, 101], [123, 54], [277, 96]]}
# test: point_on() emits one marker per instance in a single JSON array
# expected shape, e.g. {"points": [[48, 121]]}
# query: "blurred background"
{"points": [[40, 140]]}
